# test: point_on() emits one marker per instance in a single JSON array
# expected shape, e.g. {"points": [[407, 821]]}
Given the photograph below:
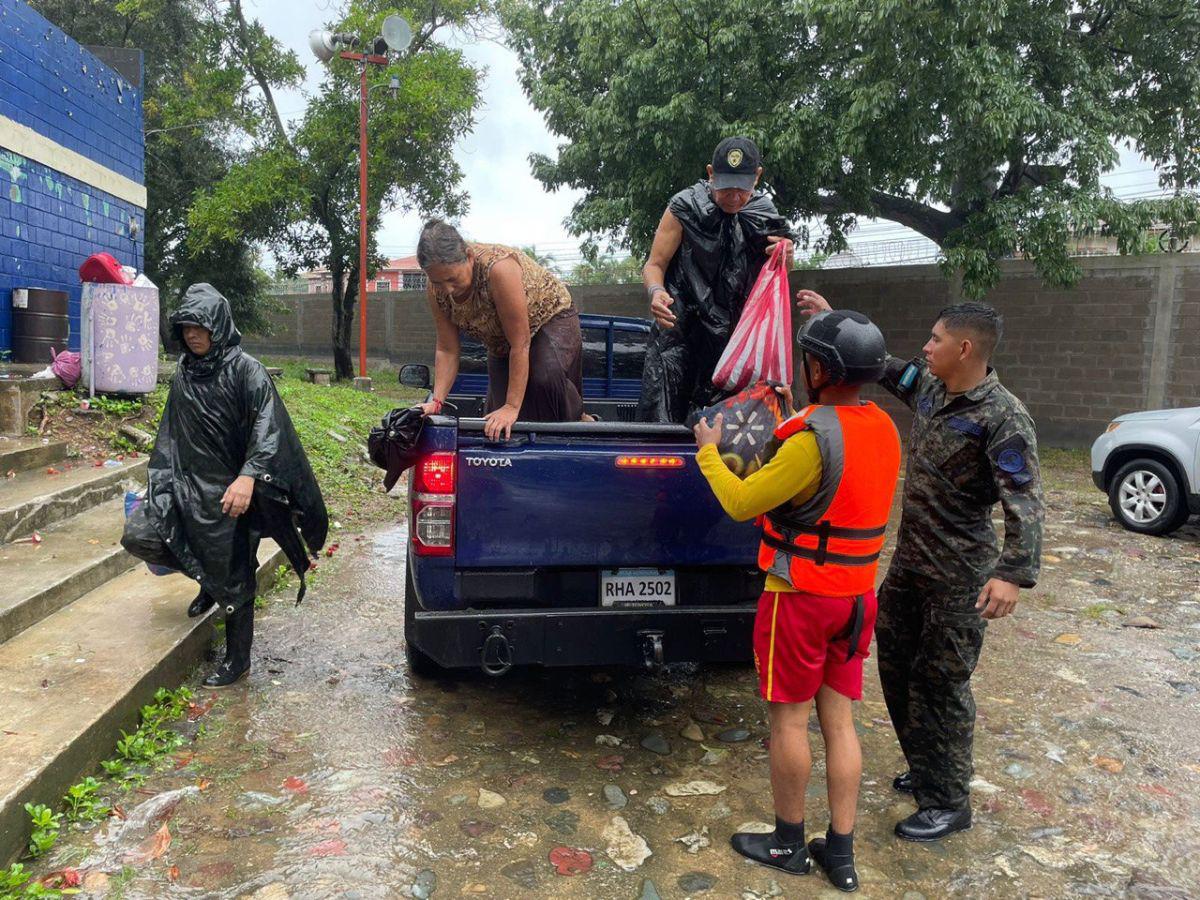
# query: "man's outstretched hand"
{"points": [[810, 303], [237, 496]]}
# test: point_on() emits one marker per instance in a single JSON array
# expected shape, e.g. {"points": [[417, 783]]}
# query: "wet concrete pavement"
{"points": [[334, 773]]}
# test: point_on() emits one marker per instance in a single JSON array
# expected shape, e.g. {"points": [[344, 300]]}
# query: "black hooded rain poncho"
{"points": [[224, 419], [710, 277]]}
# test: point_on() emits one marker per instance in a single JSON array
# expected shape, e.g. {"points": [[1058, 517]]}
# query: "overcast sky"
{"points": [[507, 204]]}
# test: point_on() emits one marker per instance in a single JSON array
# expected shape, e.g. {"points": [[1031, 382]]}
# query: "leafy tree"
{"points": [[195, 108], [982, 124], [297, 190], [607, 269], [547, 262]]}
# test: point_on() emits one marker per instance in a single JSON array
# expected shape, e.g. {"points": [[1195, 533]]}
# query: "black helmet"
{"points": [[849, 345]]}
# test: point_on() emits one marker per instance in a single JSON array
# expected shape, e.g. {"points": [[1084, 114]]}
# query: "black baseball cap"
{"points": [[735, 164]]}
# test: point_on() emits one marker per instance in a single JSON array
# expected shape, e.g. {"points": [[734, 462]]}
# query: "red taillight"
{"points": [[650, 462], [435, 474], [432, 524]]}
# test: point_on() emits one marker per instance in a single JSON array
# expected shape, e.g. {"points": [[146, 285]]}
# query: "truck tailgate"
{"points": [[590, 496]]}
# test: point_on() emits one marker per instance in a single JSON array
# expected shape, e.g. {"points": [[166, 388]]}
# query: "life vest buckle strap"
{"points": [[837, 559]]}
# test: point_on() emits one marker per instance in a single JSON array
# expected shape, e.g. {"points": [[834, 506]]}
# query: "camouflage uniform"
{"points": [[965, 453]]}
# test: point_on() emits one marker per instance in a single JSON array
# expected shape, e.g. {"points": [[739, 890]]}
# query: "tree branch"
{"points": [[260, 78], [935, 224]]}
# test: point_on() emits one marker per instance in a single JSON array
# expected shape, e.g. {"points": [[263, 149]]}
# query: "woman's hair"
{"points": [[440, 244]]}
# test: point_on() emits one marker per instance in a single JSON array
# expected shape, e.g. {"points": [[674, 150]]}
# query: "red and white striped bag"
{"points": [[760, 348]]}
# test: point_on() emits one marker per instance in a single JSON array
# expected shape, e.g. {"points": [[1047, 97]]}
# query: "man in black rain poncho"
{"points": [[227, 469], [708, 250]]}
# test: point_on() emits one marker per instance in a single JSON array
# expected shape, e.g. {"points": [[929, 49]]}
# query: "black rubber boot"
{"points": [[239, 635], [933, 824], [771, 850], [834, 853], [202, 604], [903, 783]]}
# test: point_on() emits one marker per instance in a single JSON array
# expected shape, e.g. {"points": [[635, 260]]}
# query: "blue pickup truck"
{"points": [[572, 543]]}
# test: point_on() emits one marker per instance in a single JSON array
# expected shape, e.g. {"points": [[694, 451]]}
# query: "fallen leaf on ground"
{"points": [[173, 873], [570, 861], [1069, 640], [1140, 622], [612, 763], [63, 878], [336, 847], [446, 761], [196, 710], [295, 785], [151, 848], [1108, 764]]}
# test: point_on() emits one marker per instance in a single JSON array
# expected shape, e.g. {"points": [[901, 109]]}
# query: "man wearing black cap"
{"points": [[711, 243]]}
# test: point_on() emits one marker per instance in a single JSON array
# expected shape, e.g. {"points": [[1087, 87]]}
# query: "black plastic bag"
{"points": [[709, 277], [748, 437], [391, 443]]}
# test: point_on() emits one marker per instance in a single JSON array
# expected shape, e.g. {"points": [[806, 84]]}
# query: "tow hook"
{"points": [[496, 656], [652, 648]]}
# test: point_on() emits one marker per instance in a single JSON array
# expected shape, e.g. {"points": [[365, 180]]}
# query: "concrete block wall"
{"points": [[1126, 338], [71, 161]]}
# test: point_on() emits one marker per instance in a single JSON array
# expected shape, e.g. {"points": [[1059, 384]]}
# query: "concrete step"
{"points": [[19, 454], [36, 499], [70, 683], [74, 557]]}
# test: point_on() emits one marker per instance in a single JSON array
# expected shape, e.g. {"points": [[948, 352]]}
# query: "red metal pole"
{"points": [[362, 222]]}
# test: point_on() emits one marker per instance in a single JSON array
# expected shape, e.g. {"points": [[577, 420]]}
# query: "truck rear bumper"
{"points": [[586, 637]]}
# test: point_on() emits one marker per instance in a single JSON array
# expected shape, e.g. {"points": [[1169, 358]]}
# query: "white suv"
{"points": [[1149, 465]]}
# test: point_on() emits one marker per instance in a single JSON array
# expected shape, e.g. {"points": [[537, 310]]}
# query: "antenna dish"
{"points": [[397, 33]]}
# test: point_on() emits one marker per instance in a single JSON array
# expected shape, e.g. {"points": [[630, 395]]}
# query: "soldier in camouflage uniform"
{"points": [[972, 444]]}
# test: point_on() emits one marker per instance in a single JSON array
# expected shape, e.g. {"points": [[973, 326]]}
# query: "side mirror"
{"points": [[415, 376]]}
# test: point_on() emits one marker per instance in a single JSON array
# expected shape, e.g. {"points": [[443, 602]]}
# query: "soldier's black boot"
{"points": [[835, 854], [782, 849], [933, 824], [903, 783], [202, 604], [239, 635]]}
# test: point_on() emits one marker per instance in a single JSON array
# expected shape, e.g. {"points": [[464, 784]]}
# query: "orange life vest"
{"points": [[829, 545]]}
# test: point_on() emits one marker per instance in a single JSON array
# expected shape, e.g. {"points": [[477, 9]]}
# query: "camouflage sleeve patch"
{"points": [[902, 378]]}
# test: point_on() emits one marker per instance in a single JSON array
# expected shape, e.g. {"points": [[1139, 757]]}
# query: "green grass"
{"points": [[316, 410]]}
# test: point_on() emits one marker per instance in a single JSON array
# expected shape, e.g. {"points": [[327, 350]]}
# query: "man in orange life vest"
{"points": [[825, 498]]}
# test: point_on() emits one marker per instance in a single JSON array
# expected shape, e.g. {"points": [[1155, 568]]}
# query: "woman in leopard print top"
{"points": [[520, 312]]}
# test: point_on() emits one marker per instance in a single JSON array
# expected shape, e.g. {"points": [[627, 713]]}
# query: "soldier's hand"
{"points": [[810, 303], [998, 598]]}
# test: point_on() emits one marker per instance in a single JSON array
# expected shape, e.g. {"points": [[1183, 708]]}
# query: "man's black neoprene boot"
{"points": [[239, 635], [903, 783], [835, 854], [782, 849]]}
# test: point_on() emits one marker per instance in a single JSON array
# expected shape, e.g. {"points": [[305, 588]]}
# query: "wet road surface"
{"points": [[333, 773]]}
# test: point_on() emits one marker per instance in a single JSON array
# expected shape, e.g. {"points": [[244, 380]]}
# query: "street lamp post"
{"points": [[396, 36]]}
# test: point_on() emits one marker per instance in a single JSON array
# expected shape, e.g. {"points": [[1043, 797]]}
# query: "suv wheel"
{"points": [[1145, 497]]}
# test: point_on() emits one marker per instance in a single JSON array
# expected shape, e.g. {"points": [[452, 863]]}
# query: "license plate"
{"points": [[633, 588]]}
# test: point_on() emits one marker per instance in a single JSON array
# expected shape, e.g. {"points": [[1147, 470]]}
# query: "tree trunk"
{"points": [[343, 323]]}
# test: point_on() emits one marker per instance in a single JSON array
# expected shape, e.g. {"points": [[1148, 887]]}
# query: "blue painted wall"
{"points": [[50, 223]]}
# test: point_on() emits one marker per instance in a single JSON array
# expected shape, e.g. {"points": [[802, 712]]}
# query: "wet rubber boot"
{"points": [[834, 853], [202, 604], [782, 849], [239, 635], [903, 783]]}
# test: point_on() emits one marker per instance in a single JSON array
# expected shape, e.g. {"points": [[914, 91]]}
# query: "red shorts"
{"points": [[794, 647]]}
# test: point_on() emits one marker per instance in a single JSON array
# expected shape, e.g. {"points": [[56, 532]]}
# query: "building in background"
{"points": [[72, 174], [401, 274]]}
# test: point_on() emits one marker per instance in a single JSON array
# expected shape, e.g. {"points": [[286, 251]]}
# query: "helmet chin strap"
{"points": [[814, 394]]}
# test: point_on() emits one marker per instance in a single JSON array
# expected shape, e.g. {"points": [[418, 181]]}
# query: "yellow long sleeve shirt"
{"points": [[794, 473]]}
